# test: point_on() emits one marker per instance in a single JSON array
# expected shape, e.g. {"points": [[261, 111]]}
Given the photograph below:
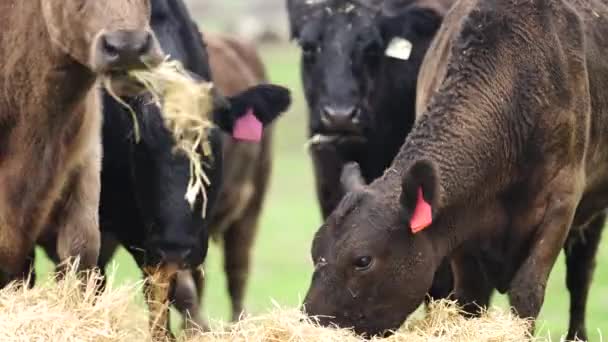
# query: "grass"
{"points": [[281, 265]]}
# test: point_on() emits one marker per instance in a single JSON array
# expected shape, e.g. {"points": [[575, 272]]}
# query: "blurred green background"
{"points": [[281, 264]]}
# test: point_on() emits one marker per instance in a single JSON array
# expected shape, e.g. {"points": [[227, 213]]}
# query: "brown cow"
{"points": [[52, 52], [507, 159], [235, 66]]}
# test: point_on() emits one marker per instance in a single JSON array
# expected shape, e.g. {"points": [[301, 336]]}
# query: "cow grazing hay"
{"points": [[187, 106], [61, 311], [69, 310]]}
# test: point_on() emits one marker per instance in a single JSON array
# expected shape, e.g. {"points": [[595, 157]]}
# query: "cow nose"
{"points": [[126, 50], [177, 256], [341, 118]]}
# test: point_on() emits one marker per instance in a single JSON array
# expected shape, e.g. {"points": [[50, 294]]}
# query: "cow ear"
{"points": [[426, 21], [351, 177], [421, 21], [303, 11], [264, 102], [419, 195]]}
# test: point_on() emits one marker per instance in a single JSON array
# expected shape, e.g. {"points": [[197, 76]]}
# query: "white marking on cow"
{"points": [[399, 48]]}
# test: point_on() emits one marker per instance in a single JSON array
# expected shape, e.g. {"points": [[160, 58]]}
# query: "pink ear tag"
{"points": [[423, 216], [248, 128]]}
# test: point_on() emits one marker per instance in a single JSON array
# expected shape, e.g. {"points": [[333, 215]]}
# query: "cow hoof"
{"points": [[192, 327]]}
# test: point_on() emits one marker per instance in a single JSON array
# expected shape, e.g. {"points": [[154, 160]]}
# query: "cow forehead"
{"points": [[342, 31]]}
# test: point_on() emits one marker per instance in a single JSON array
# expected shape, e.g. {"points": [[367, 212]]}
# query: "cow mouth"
{"points": [[120, 83], [324, 139]]}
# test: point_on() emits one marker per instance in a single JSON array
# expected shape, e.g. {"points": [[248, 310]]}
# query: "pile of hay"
{"points": [[69, 310], [444, 323], [60, 311]]}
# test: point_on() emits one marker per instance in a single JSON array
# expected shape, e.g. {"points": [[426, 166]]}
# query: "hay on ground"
{"points": [[69, 311], [443, 324]]}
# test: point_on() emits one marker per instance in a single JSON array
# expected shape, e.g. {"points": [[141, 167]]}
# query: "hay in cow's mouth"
{"points": [[187, 106], [334, 139]]}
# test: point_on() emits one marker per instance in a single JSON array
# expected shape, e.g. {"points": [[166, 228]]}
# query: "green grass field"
{"points": [[281, 266]]}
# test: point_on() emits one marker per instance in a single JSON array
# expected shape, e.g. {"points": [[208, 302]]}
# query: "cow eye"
{"points": [[363, 263]]}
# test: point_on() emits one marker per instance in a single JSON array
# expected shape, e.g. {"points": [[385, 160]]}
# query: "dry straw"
{"points": [[69, 310], [187, 106], [444, 323]]}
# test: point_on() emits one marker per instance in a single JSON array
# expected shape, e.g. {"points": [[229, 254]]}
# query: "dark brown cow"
{"points": [[506, 161], [235, 66], [52, 52]]}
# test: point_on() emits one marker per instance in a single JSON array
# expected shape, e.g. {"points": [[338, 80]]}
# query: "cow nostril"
{"points": [[146, 46], [340, 113], [109, 50]]}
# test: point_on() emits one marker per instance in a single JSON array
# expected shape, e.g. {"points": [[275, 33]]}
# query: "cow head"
{"points": [[109, 37], [371, 269], [176, 231], [354, 55]]}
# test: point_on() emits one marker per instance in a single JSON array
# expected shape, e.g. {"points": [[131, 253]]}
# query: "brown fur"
{"points": [[50, 115], [235, 66], [509, 148]]}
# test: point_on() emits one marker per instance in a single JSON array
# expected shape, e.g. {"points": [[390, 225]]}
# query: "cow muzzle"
{"points": [[118, 52]]}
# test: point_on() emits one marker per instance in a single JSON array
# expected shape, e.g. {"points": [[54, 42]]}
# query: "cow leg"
{"points": [[238, 243], [26, 274], [527, 289], [472, 288], [581, 249], [443, 282], [109, 245], [240, 237], [185, 296], [76, 216]]}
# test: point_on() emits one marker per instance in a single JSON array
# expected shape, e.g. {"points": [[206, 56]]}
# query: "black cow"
{"points": [[506, 165], [143, 184], [360, 62], [360, 93]]}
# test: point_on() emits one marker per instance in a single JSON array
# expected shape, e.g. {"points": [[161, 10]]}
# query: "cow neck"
{"points": [[469, 147], [39, 81]]}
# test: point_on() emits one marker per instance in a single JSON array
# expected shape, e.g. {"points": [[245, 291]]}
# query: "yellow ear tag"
{"points": [[399, 48]]}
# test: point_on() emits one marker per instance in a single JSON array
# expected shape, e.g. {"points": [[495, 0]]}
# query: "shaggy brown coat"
{"points": [[50, 144]]}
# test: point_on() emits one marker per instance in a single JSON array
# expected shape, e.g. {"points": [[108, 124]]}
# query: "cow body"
{"points": [[236, 66], [143, 183], [52, 57], [508, 150]]}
